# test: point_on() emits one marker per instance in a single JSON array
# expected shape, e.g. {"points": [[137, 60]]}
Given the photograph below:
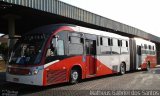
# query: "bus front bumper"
{"points": [[26, 79]]}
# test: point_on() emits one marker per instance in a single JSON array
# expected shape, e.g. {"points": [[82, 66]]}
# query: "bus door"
{"points": [[91, 56], [139, 56]]}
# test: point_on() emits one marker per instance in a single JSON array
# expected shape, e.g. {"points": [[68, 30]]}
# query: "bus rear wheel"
{"points": [[74, 76], [122, 69], [148, 66]]}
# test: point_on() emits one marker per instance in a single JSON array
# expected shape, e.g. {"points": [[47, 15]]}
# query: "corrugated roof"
{"points": [[69, 11]]}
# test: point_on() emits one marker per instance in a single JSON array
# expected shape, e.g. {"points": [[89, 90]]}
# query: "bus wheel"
{"points": [[148, 66], [74, 76], [122, 69]]}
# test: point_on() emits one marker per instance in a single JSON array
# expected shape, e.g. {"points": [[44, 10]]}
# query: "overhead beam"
{"points": [[56, 7]]}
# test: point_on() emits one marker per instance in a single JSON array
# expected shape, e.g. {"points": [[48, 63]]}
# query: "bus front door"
{"points": [[91, 57]]}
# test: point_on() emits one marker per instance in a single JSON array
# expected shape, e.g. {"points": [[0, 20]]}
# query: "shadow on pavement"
{"points": [[23, 89]]}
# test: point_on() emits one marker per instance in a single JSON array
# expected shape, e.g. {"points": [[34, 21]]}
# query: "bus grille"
{"points": [[18, 71], [56, 76]]}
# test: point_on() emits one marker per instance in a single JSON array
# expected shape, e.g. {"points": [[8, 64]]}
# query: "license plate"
{"points": [[16, 79]]}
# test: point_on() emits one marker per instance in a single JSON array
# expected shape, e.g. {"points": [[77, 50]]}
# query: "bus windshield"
{"points": [[27, 50]]}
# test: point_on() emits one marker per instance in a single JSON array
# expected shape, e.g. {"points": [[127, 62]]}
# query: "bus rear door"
{"points": [[139, 56], [91, 56]]}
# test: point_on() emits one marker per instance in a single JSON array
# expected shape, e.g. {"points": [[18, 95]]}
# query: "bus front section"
{"points": [[25, 60]]}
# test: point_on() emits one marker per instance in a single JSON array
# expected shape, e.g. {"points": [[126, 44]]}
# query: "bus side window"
{"points": [[139, 50], [60, 47], [126, 43], [75, 44], [124, 47], [51, 51], [115, 47], [57, 49], [55, 52]]}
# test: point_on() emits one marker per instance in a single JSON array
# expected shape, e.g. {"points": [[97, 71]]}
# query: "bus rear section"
{"points": [[143, 54]]}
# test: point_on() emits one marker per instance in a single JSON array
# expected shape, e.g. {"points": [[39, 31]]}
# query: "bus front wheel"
{"points": [[74, 76]]}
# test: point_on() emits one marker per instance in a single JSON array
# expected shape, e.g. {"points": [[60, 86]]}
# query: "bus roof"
{"points": [[48, 29]]}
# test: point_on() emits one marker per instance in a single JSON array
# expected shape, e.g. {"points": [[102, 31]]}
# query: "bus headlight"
{"points": [[34, 71]]}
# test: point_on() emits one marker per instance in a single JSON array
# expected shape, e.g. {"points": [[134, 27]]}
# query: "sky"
{"points": [[142, 14]]}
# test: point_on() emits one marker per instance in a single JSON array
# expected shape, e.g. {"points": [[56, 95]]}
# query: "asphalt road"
{"points": [[140, 80]]}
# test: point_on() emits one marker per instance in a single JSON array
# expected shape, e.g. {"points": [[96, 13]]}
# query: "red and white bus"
{"points": [[67, 53]]}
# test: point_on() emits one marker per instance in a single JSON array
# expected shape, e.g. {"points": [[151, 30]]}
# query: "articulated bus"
{"points": [[68, 53]]}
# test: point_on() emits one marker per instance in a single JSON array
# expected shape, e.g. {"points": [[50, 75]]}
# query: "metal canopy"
{"points": [[35, 13]]}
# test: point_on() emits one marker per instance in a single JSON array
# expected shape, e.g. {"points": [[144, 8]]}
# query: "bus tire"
{"points": [[148, 66], [122, 69], [74, 76]]}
